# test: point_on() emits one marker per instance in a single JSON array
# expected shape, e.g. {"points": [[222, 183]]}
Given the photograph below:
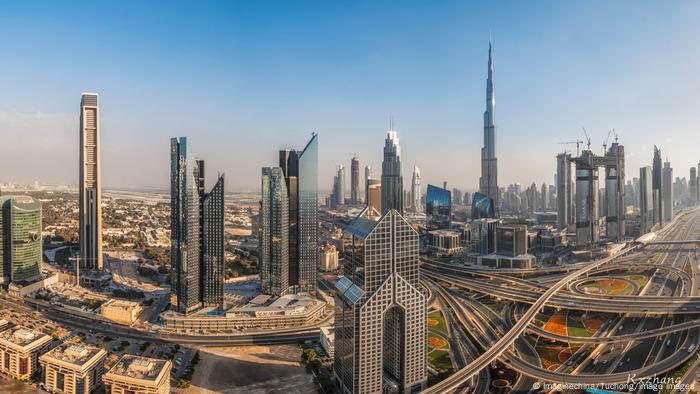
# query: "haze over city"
{"points": [[239, 78]]}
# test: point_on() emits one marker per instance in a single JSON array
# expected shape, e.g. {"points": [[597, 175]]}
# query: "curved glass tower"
{"points": [[20, 233], [438, 208]]}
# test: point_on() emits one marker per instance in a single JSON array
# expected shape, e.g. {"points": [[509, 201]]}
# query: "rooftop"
{"points": [[121, 304], [22, 337], [136, 367], [76, 354]]}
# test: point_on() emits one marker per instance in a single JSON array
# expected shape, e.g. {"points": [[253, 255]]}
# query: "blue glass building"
{"points": [[482, 207], [438, 208]]}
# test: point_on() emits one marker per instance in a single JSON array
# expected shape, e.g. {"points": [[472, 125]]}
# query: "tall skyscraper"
{"points": [[196, 233], [212, 267], [299, 171], [667, 186], [565, 211], [544, 199], [392, 180], [657, 187], [646, 211], [415, 190], [20, 239], [274, 233], [587, 219], [184, 227], [354, 180], [438, 208], [339, 185], [368, 175], [614, 201], [90, 188], [380, 311], [488, 183], [693, 186]]}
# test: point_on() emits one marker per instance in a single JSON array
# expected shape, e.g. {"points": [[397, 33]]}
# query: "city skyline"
{"points": [[640, 90]]}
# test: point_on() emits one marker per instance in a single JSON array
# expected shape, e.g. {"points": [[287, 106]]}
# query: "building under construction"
{"points": [[583, 210]]}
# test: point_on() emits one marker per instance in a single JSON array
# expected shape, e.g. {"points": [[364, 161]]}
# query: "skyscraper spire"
{"points": [[488, 183]]}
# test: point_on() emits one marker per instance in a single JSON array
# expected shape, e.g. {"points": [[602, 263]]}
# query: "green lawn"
{"points": [[440, 360], [576, 328], [437, 316], [640, 280]]}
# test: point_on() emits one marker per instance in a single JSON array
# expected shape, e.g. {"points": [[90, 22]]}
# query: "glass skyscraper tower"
{"points": [[488, 183], [274, 233], [212, 267], [293, 184], [20, 239], [354, 180], [380, 311], [392, 180], [184, 227], [196, 233]]}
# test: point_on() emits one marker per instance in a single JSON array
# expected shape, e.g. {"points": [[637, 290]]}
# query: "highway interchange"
{"points": [[654, 331], [657, 333]]}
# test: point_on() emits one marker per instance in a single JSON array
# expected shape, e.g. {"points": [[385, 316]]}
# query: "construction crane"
{"points": [[605, 143], [588, 139], [577, 142]]}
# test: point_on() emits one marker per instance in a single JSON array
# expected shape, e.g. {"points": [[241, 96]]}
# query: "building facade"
{"points": [[646, 210], [380, 315], [142, 375], [355, 180], [374, 194], [90, 187], [73, 369], [667, 186], [415, 191], [184, 227], [488, 182], [212, 268], [392, 180], [274, 234], [438, 208], [289, 221], [20, 239], [20, 349]]}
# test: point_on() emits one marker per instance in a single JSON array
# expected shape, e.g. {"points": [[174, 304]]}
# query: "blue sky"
{"points": [[243, 79]]}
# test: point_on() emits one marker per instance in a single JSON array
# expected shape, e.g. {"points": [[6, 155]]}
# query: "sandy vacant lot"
{"points": [[8, 386], [251, 370]]}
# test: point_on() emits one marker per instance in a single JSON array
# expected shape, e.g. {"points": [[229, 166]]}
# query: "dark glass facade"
{"points": [[482, 207], [308, 217], [438, 208], [274, 233], [212, 267], [184, 227]]}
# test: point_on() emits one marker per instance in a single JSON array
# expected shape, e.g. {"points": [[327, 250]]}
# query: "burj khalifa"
{"points": [[488, 183]]}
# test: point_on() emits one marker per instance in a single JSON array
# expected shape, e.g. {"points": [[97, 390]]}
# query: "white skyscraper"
{"points": [[415, 190], [392, 180], [488, 183]]}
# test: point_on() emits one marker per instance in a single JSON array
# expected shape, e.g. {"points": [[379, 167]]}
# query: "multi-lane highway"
{"points": [[658, 333]]}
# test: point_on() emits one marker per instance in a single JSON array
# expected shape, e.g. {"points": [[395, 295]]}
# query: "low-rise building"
{"points": [[329, 258], [121, 311], [328, 340], [291, 310], [20, 349], [73, 368], [138, 375], [444, 241]]}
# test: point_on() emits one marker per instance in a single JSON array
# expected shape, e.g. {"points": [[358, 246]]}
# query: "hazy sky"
{"points": [[243, 79]]}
